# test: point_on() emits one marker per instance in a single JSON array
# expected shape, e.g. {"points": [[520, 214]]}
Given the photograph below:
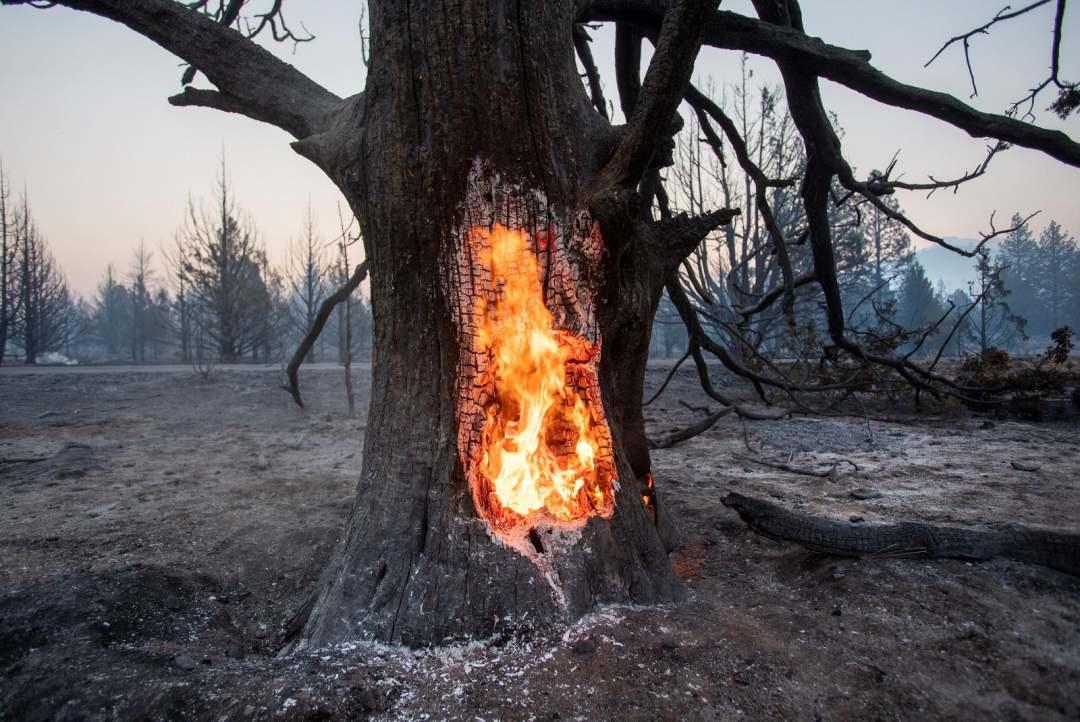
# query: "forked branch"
{"points": [[679, 39], [851, 68]]}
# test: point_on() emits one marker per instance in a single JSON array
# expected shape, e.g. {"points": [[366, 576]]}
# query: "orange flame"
{"points": [[543, 444]]}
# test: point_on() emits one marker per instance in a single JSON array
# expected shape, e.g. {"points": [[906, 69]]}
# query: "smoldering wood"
{"points": [[417, 564], [1048, 548]]}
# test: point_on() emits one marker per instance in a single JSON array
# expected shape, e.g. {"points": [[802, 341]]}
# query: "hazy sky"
{"points": [[84, 122]]}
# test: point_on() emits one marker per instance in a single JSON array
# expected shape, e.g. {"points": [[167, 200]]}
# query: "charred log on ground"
{"points": [[1048, 548]]}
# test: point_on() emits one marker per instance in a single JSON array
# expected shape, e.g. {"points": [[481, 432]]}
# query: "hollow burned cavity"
{"points": [[532, 436]]}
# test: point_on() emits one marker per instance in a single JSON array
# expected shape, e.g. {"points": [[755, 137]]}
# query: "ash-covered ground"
{"points": [[158, 530]]}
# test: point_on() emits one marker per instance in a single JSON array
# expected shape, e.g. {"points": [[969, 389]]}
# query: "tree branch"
{"points": [[851, 68], [596, 90], [677, 237], [250, 79], [679, 40]]}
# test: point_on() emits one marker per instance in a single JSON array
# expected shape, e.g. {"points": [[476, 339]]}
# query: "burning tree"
{"points": [[518, 243]]}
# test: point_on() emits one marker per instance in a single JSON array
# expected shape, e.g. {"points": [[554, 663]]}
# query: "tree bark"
{"points": [[474, 114]]}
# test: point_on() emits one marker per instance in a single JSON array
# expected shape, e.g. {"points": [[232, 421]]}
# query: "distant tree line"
{"points": [[37, 311], [219, 298], [1025, 288]]}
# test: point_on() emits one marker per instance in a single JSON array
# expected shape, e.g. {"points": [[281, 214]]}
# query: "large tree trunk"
{"points": [[473, 115]]}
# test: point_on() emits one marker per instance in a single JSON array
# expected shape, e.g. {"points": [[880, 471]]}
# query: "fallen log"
{"points": [[1054, 549]]}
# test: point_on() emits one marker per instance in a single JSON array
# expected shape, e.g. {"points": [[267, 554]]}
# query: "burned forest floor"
{"points": [[157, 530]]}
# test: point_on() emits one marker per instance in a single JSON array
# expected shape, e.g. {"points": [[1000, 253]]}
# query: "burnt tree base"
{"points": [[1056, 550]]}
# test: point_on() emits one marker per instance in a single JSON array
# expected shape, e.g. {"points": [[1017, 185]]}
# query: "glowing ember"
{"points": [[544, 445]]}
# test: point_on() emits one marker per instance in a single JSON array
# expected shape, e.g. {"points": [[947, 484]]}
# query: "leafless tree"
{"points": [[111, 309], [224, 266], [45, 304], [487, 120], [9, 296], [176, 260], [140, 277]]}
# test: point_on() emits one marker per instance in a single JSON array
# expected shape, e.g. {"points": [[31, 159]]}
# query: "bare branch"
{"points": [[984, 29], [252, 81], [706, 109], [596, 90], [851, 68], [696, 429], [668, 378], [327, 307]]}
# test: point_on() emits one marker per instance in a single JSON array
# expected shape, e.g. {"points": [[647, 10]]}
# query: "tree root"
{"points": [[1053, 549]]}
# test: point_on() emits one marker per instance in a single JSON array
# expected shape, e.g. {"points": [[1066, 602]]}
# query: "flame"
{"points": [[542, 445]]}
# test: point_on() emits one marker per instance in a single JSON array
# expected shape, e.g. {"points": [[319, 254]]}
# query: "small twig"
{"points": [[746, 440], [703, 409]]}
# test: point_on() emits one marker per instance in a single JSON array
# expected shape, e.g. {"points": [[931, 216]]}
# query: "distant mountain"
{"points": [[952, 268]]}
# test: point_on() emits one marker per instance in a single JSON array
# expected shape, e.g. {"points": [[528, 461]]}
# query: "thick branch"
{"points": [[252, 81], [678, 42], [851, 68], [327, 307], [677, 237]]}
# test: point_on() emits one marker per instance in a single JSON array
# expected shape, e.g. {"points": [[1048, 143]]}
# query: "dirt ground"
{"points": [[151, 556]]}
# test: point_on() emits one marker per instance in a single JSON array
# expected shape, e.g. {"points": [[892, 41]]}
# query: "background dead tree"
{"points": [[9, 296], [307, 279], [345, 311], [227, 274]]}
